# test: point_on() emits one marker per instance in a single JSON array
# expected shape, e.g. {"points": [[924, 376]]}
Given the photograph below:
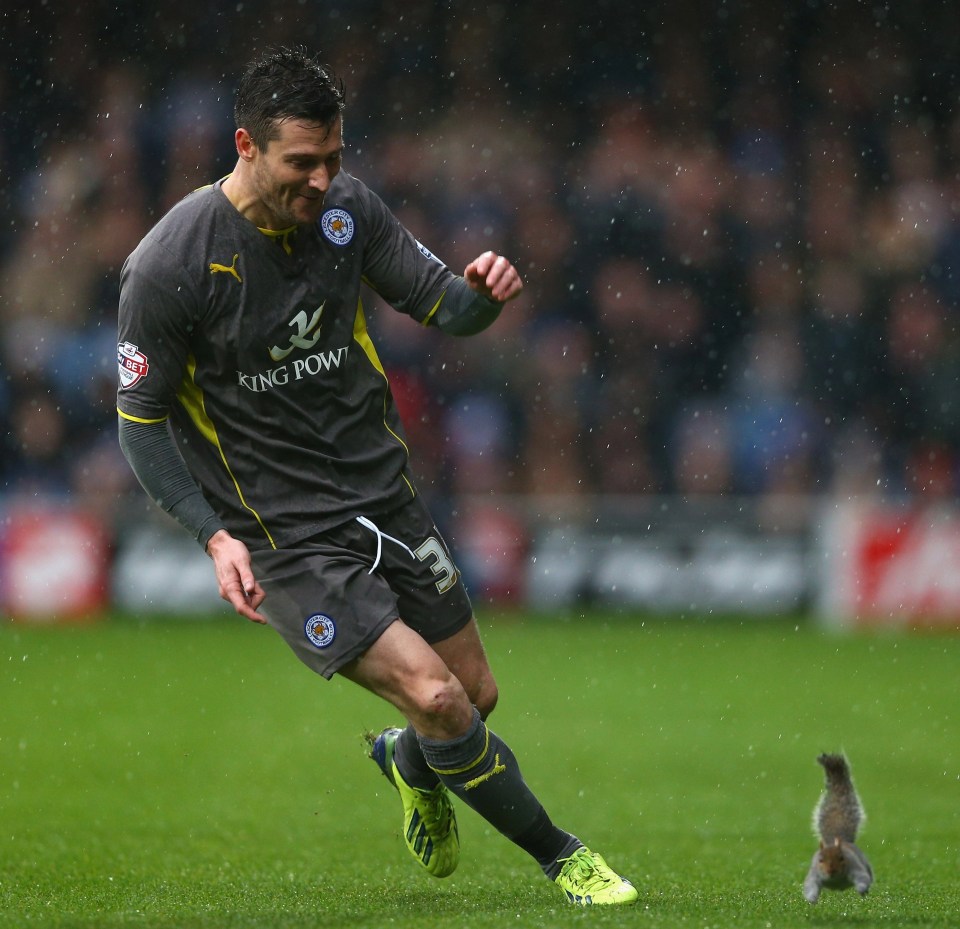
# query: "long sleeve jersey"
{"points": [[253, 348]]}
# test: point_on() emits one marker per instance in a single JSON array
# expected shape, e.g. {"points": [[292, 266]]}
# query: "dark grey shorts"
{"points": [[324, 600]]}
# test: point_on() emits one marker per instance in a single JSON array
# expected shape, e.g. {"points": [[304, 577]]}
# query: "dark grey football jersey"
{"points": [[262, 362]]}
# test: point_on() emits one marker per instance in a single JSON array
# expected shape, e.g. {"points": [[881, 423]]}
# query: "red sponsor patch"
{"points": [[132, 363]]}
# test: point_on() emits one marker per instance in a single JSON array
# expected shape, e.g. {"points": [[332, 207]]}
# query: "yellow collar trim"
{"points": [[282, 234]]}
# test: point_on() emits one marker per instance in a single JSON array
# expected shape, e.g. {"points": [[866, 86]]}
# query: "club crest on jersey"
{"points": [[337, 226], [132, 363], [320, 629]]}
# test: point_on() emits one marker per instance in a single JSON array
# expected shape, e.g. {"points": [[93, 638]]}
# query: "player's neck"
{"points": [[241, 194]]}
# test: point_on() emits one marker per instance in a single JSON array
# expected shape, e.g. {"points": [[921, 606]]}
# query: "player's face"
{"points": [[292, 175]]}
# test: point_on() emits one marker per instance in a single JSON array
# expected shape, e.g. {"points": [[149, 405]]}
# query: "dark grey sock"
{"points": [[548, 844], [482, 771], [413, 766]]}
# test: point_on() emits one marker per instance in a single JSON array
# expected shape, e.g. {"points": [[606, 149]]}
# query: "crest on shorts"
{"points": [[337, 226], [320, 629]]}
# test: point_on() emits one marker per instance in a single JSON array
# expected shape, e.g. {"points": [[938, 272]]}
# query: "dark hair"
{"points": [[286, 83]]}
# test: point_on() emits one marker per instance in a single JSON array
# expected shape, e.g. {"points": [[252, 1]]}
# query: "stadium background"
{"points": [[738, 224]]}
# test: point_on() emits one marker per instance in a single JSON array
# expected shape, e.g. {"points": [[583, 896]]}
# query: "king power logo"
{"points": [[306, 336], [296, 370]]}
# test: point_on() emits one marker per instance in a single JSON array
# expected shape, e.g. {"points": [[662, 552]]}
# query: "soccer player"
{"points": [[253, 409]]}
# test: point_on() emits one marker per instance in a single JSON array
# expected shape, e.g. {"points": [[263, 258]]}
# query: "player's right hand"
{"points": [[235, 580], [494, 277]]}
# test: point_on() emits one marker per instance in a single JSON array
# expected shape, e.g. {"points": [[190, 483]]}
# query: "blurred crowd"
{"points": [[739, 226]]}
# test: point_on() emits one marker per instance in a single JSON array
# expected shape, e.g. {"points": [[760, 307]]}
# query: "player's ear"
{"points": [[246, 147]]}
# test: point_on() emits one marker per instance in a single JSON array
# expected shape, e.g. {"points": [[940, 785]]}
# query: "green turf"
{"points": [[194, 774]]}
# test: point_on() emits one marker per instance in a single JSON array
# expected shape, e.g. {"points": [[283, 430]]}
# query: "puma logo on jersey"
{"points": [[302, 338], [226, 269]]}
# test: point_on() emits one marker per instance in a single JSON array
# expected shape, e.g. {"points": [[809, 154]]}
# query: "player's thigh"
{"points": [[463, 653], [433, 601], [406, 671]]}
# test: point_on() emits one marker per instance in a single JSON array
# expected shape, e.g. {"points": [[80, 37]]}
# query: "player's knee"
{"points": [[442, 706]]}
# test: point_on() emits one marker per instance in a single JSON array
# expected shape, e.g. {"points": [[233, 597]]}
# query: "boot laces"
{"points": [[583, 868]]}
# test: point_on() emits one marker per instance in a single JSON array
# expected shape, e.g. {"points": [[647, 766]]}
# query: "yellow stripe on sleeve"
{"points": [[140, 419], [436, 306]]}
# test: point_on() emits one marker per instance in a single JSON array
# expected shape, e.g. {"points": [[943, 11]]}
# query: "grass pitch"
{"points": [[195, 774]]}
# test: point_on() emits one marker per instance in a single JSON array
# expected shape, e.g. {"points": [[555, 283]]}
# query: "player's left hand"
{"points": [[494, 277]]}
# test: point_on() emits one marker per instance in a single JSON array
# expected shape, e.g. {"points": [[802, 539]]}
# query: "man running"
{"points": [[254, 409]]}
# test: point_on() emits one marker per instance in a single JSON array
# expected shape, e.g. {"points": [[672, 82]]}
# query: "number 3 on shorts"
{"points": [[442, 566]]}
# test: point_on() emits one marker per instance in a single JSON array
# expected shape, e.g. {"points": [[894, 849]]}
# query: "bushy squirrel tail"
{"points": [[839, 813]]}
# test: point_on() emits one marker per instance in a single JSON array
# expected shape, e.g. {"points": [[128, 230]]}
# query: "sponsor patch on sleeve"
{"points": [[132, 363], [427, 253]]}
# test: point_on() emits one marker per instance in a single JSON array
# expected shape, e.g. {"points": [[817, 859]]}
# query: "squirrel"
{"points": [[837, 863]]}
